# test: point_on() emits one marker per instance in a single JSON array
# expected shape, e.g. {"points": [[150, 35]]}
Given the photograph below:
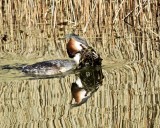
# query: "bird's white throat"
{"points": [[77, 58]]}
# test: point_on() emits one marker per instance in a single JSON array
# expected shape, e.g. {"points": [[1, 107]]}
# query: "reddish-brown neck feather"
{"points": [[71, 46]]}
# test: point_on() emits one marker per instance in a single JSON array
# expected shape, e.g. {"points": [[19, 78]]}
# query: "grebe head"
{"points": [[75, 44]]}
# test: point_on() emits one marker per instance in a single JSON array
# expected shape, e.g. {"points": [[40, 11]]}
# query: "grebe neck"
{"points": [[77, 58]]}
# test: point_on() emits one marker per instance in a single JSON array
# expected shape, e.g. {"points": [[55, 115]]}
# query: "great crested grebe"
{"points": [[75, 46]]}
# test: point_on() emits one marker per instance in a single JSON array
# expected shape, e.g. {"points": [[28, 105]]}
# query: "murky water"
{"points": [[125, 93]]}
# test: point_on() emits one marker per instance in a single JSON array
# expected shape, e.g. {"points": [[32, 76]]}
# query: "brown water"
{"points": [[130, 93]]}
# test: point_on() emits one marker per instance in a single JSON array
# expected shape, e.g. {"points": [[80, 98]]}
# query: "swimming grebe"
{"points": [[74, 46], [77, 49]]}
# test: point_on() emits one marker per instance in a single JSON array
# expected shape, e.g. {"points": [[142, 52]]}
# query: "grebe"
{"points": [[74, 47], [77, 49]]}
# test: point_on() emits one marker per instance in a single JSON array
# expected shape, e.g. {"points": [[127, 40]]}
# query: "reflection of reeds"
{"points": [[106, 20]]}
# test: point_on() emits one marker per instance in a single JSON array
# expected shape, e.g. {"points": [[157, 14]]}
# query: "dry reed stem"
{"points": [[90, 17]]}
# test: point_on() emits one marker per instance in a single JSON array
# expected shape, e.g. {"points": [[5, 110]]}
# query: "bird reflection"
{"points": [[87, 83]]}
